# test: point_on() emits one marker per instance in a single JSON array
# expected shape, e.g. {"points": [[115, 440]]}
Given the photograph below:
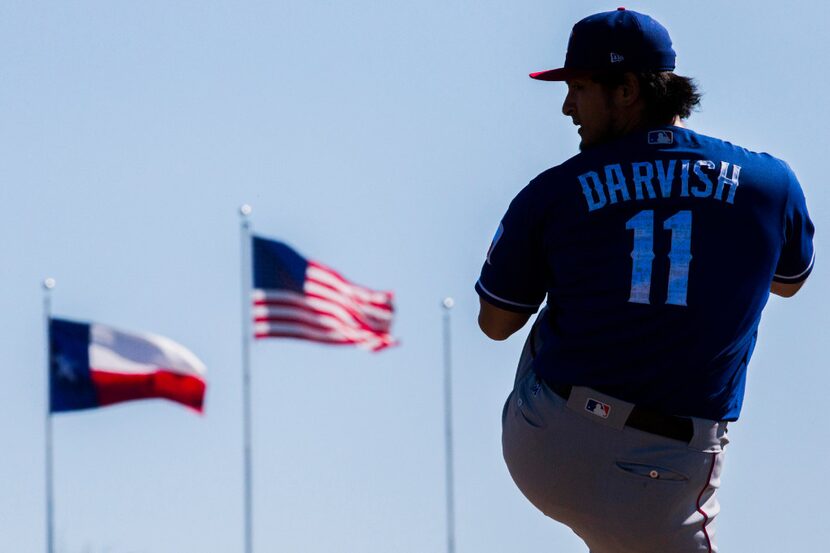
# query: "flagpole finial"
{"points": [[245, 210], [49, 283], [448, 303]]}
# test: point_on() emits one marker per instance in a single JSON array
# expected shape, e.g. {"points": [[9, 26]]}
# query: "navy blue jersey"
{"points": [[656, 253]]}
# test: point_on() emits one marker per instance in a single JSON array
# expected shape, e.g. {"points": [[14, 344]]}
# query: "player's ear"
{"points": [[628, 92]]}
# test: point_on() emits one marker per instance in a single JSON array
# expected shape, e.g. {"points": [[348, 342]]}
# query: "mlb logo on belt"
{"points": [[598, 408]]}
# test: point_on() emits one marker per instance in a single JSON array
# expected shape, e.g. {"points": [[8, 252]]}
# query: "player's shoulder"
{"points": [[565, 171], [552, 187], [545, 191], [543, 186], [768, 163]]}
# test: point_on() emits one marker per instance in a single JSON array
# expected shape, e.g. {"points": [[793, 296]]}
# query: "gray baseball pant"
{"points": [[620, 489]]}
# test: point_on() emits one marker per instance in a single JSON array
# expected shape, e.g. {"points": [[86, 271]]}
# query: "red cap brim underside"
{"points": [[561, 74]]}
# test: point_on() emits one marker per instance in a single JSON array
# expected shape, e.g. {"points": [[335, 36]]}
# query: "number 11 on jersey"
{"points": [[642, 256]]}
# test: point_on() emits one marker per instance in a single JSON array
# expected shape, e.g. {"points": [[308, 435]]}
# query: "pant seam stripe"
{"points": [[700, 507]]}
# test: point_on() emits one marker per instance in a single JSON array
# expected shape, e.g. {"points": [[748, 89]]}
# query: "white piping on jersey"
{"points": [[802, 273], [491, 294]]}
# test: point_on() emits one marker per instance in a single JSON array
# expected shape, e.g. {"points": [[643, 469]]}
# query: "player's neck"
{"points": [[636, 122]]}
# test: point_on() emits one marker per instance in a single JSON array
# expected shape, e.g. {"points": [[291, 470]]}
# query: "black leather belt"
{"points": [[669, 426]]}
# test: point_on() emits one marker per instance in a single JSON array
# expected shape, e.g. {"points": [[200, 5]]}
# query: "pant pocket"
{"points": [[649, 471], [527, 404]]}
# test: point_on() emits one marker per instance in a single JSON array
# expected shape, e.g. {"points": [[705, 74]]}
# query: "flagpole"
{"points": [[48, 285], [245, 238], [447, 304]]}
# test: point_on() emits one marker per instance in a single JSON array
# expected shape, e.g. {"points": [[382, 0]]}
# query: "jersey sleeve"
{"points": [[797, 254], [513, 275]]}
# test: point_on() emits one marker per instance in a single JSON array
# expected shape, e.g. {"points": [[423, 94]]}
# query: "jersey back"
{"points": [[656, 253]]}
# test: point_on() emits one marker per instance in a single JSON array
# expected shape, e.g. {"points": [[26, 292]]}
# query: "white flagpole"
{"points": [[245, 236], [48, 284], [447, 304]]}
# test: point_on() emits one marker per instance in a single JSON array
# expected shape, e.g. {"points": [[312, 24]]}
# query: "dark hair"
{"points": [[666, 95]]}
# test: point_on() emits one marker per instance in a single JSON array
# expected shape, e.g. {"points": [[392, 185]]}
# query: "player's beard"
{"points": [[605, 130], [603, 135]]}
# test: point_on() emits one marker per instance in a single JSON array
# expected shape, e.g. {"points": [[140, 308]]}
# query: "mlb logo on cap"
{"points": [[598, 408]]}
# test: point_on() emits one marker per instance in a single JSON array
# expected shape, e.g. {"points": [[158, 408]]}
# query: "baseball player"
{"points": [[655, 249]]}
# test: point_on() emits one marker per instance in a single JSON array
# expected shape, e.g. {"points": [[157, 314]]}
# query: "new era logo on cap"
{"points": [[616, 58], [598, 408]]}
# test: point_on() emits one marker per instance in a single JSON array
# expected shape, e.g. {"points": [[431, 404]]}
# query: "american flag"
{"points": [[295, 297]]}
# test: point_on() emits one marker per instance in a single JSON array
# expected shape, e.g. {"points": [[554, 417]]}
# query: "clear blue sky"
{"points": [[386, 140]]}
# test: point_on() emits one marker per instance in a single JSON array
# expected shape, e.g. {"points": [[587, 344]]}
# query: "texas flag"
{"points": [[93, 365]]}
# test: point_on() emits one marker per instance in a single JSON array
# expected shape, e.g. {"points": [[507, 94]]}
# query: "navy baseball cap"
{"points": [[622, 40]]}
